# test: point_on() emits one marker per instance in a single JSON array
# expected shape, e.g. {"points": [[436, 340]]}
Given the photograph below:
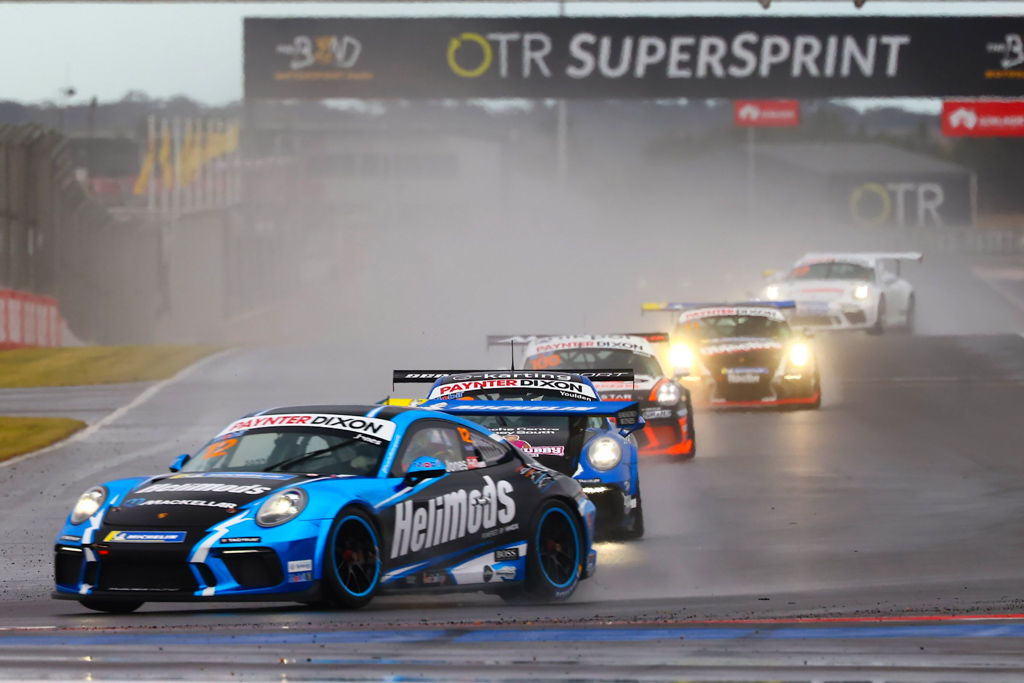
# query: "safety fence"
{"points": [[29, 320], [211, 242]]}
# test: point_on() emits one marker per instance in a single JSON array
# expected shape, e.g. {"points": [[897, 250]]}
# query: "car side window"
{"points": [[486, 450], [433, 441]]}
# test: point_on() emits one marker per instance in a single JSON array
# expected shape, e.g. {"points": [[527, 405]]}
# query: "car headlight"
{"points": [[681, 356], [668, 394], [281, 507], [88, 503], [604, 453], [861, 291], [799, 355], [772, 292]]}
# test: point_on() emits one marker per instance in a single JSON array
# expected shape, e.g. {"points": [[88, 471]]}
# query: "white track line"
{"points": [[149, 393]]}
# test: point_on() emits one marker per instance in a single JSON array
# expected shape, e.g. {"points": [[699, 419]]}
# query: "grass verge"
{"points": [[20, 435], [78, 365]]}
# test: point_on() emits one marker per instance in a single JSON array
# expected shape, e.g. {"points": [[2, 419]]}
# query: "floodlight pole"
{"points": [[751, 172], [562, 131]]}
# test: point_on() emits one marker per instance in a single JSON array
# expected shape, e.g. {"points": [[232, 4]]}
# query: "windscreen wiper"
{"points": [[306, 456]]}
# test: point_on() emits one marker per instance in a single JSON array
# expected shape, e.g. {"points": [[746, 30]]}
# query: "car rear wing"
{"points": [[524, 339], [658, 307], [626, 413], [868, 255], [431, 376], [427, 376]]}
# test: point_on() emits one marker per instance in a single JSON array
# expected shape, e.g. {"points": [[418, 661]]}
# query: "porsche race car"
{"points": [[601, 456], [742, 355], [848, 291], [334, 504], [665, 404]]}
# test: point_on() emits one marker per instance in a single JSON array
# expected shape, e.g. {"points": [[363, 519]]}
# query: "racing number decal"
{"points": [[552, 360], [215, 450], [464, 433]]}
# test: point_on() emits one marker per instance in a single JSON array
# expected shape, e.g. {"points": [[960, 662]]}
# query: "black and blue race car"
{"points": [[601, 455], [334, 504]]}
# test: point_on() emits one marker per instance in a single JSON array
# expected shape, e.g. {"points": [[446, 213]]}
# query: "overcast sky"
{"points": [[195, 49]]}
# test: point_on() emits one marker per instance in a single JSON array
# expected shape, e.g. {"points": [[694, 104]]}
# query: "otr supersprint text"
{"points": [[748, 54]]}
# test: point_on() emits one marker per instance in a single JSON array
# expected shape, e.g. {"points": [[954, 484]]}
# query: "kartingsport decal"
{"points": [[448, 517], [720, 349], [382, 429], [565, 387], [697, 314]]}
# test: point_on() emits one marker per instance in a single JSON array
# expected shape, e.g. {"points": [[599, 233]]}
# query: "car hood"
{"points": [[195, 499], [737, 352]]}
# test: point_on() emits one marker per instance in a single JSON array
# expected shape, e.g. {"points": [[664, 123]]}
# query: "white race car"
{"points": [[848, 291]]}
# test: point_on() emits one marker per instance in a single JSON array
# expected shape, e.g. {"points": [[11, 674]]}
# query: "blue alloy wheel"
{"points": [[354, 560], [556, 557]]}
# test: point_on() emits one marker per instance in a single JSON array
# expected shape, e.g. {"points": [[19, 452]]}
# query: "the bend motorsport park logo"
{"points": [[322, 58], [766, 113], [1011, 57], [984, 118]]}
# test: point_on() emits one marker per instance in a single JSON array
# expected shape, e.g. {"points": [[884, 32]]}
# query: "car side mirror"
{"points": [[179, 462], [629, 421], [422, 469]]}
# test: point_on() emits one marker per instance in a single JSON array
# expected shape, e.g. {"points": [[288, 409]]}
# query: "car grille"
{"points": [[67, 567], [856, 317], [118, 574], [798, 320], [253, 567]]}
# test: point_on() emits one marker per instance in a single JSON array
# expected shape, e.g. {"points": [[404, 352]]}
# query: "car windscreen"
{"points": [[536, 435], [595, 359], [832, 271], [289, 449], [731, 326]]}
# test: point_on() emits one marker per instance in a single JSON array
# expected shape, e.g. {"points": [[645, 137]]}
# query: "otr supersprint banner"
{"points": [[577, 57]]}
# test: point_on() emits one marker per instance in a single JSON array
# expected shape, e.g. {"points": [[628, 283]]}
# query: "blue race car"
{"points": [[601, 457], [332, 505]]}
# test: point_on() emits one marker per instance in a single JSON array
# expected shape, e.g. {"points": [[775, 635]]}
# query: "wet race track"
{"points": [[878, 538]]}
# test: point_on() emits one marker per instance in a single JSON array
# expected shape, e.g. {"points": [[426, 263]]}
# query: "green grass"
{"points": [[78, 365], [20, 435]]}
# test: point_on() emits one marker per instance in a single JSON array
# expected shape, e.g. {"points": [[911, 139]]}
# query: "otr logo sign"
{"points": [[471, 55], [900, 204]]}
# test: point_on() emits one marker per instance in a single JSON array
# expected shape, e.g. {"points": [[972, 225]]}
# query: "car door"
{"points": [[440, 521]]}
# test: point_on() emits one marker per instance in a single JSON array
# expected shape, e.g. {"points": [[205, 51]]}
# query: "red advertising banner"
{"points": [[983, 118], [773, 113], [28, 320]]}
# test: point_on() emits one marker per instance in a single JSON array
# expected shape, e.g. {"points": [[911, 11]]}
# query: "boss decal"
{"points": [[382, 429], [506, 554], [420, 525]]}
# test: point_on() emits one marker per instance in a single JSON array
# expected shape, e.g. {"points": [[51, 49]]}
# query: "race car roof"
{"points": [[867, 258]]}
